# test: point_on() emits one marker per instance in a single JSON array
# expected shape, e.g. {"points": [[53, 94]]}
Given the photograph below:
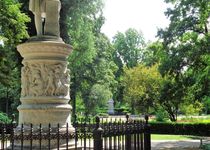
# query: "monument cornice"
{"points": [[44, 48]]}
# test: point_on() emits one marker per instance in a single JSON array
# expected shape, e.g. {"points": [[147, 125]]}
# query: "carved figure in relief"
{"points": [[25, 71], [50, 88], [57, 79], [45, 79], [66, 83], [37, 83]]}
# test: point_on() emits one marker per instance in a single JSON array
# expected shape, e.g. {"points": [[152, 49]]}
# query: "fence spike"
{"points": [[127, 117], [147, 118], [58, 136], [49, 136]]}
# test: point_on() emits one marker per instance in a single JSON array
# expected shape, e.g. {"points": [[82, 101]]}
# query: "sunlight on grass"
{"points": [[198, 119], [172, 137], [188, 119]]}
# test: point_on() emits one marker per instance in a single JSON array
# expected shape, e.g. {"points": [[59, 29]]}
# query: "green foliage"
{"points": [[161, 114], [142, 86], [128, 51], [122, 108], [206, 103], [91, 61], [12, 27], [128, 48], [12, 31], [192, 109], [206, 147], [167, 137], [80, 104], [184, 56], [171, 96], [4, 118], [200, 129], [190, 119], [99, 96], [154, 53]]}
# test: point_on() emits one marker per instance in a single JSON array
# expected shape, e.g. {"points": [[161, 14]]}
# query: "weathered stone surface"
{"points": [[45, 83], [48, 10]]}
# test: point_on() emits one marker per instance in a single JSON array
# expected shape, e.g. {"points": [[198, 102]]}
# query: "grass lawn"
{"points": [[187, 119], [199, 119], [172, 137]]}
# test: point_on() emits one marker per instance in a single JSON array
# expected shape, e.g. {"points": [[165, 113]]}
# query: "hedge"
{"points": [[199, 129]]}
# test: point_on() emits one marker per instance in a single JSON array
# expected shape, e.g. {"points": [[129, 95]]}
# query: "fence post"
{"points": [[97, 135], [13, 125], [127, 134], [147, 134]]}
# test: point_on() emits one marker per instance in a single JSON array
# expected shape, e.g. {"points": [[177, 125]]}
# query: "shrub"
{"points": [[161, 115], [200, 129], [192, 109], [4, 118]]}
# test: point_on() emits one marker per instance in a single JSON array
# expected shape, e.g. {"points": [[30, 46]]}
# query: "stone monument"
{"points": [[110, 107], [45, 78]]}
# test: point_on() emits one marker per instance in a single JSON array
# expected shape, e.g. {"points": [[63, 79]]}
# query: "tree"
{"points": [[12, 31], [99, 95], [186, 47], [98, 72], [142, 87], [91, 61], [186, 39], [206, 102], [171, 96], [128, 51], [154, 53], [128, 48]]}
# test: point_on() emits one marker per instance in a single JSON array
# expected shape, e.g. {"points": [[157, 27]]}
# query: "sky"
{"points": [[143, 15]]}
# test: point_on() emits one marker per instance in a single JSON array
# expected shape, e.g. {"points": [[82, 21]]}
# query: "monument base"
{"points": [[37, 137], [45, 83]]}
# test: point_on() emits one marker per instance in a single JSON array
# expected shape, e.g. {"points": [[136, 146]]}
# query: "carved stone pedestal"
{"points": [[45, 84]]}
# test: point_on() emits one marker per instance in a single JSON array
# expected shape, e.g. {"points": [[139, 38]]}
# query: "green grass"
{"points": [[192, 119], [172, 137], [187, 119], [206, 147]]}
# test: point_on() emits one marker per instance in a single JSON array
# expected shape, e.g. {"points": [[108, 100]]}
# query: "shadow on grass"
{"points": [[193, 137], [206, 147], [176, 145]]}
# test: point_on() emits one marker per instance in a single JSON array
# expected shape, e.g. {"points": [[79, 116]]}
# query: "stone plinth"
{"points": [[45, 82], [110, 104]]}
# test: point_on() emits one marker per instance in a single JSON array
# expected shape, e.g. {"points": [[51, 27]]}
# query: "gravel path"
{"points": [[176, 145]]}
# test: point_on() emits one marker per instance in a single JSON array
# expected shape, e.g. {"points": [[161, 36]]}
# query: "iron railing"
{"points": [[100, 135]]}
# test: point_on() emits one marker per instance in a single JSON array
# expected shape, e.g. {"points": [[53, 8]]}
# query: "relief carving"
{"points": [[45, 79], [25, 71]]}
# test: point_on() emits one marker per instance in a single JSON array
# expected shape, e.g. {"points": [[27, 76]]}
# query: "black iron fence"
{"points": [[103, 134]]}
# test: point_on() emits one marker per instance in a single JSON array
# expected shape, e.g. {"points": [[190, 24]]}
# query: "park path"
{"points": [[175, 145]]}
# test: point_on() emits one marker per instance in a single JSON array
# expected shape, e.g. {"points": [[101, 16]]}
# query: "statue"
{"points": [[46, 16]]}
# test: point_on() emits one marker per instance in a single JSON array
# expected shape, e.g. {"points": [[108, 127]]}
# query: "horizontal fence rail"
{"points": [[102, 134]]}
